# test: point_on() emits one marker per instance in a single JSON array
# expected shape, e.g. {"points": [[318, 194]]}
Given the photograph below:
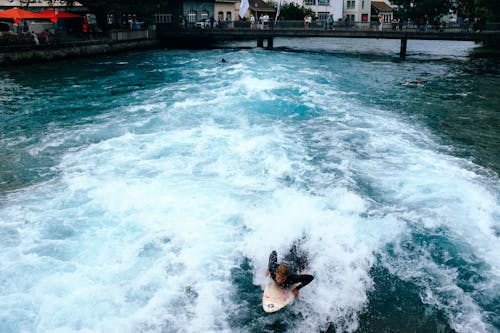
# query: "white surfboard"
{"points": [[276, 298]]}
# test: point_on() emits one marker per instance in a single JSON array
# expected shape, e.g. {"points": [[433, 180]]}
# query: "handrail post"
{"points": [[402, 50], [270, 43]]}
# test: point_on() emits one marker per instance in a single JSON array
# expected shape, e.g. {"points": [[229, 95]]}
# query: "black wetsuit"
{"points": [[293, 265]]}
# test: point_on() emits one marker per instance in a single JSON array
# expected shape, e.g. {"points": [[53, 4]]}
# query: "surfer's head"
{"points": [[281, 274]]}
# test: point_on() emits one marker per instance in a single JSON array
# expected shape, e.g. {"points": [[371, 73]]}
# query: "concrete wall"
{"points": [[120, 35], [40, 53]]}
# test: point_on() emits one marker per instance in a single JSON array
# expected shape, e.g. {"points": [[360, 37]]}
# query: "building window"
{"points": [[323, 2], [363, 4], [204, 15], [220, 16], [229, 17], [192, 16], [310, 2], [323, 16]]}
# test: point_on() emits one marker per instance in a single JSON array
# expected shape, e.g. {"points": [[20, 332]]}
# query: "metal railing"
{"points": [[341, 25]]}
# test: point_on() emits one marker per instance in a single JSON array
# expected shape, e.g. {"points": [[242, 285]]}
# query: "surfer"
{"points": [[418, 81], [288, 272]]}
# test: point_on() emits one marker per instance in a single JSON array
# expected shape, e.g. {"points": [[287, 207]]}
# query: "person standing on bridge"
{"points": [[252, 22], [380, 22], [394, 23], [330, 22]]}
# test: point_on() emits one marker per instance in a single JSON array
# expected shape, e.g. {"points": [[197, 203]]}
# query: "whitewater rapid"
{"points": [[185, 168]]}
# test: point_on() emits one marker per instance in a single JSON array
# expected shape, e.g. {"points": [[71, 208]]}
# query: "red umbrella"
{"points": [[55, 15], [18, 14]]}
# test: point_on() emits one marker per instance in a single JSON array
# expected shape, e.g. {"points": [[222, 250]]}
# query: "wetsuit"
{"points": [[293, 265]]}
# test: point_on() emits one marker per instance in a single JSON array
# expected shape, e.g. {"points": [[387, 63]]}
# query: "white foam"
{"points": [[140, 229]]}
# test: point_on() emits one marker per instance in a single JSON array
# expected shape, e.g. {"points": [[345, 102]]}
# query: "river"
{"points": [[144, 192]]}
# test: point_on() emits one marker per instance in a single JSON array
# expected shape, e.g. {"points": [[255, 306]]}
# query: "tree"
{"points": [[488, 9], [418, 9], [292, 11]]}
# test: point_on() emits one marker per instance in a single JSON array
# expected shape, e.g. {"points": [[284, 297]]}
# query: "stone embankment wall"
{"points": [[118, 41]]}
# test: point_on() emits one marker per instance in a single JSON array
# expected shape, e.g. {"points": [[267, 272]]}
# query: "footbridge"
{"points": [[210, 35]]}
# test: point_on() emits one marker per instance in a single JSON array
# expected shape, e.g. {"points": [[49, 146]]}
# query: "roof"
{"points": [[260, 6], [381, 6]]}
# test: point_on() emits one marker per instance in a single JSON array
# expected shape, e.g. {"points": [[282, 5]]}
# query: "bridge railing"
{"points": [[342, 25], [162, 18]]}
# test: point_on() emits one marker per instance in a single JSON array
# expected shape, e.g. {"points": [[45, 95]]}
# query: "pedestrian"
{"points": [[252, 22], [347, 21], [394, 23], [45, 37], [426, 23], [380, 22], [330, 22], [85, 27], [34, 36]]}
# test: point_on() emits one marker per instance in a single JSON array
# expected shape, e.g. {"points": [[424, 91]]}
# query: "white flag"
{"points": [[243, 8], [278, 11]]}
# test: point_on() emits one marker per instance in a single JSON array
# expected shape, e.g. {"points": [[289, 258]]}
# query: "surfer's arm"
{"points": [[304, 280], [273, 263]]}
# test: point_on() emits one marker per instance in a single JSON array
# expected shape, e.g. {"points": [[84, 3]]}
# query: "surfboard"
{"points": [[276, 298]]}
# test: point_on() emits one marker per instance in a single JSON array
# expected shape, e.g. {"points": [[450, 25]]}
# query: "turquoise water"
{"points": [[143, 192]]}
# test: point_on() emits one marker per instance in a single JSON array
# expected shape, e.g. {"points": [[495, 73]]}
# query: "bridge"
{"points": [[175, 34]]}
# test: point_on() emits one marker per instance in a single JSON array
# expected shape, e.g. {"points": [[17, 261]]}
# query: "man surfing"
{"points": [[288, 272]]}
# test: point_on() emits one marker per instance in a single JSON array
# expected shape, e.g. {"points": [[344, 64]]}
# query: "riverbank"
{"points": [[117, 41]]}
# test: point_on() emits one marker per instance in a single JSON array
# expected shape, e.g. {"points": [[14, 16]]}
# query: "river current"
{"points": [[144, 192]]}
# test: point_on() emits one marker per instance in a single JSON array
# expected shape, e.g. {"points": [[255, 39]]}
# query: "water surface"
{"points": [[143, 192]]}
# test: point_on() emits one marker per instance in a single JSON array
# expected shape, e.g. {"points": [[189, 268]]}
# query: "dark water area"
{"points": [[462, 108]]}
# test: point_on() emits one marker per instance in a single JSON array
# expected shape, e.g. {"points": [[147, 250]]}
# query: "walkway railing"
{"points": [[338, 25]]}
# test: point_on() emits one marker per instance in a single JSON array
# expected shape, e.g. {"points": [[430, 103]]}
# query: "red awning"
{"points": [[18, 14], [55, 15]]}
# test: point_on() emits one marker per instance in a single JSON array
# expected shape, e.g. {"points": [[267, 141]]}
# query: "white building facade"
{"points": [[357, 10], [354, 10], [323, 8]]}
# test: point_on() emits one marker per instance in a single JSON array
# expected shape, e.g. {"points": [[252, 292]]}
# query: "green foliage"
{"points": [[292, 11], [418, 9], [489, 9]]}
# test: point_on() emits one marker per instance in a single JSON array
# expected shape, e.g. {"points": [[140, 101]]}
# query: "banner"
{"points": [[243, 8], [280, 3]]}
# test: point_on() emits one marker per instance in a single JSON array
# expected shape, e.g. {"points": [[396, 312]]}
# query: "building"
{"points": [[256, 8], [357, 10], [226, 10], [323, 8], [381, 9], [39, 5], [196, 10]]}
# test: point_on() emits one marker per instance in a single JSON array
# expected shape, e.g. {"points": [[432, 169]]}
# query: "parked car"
{"points": [[204, 24]]}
